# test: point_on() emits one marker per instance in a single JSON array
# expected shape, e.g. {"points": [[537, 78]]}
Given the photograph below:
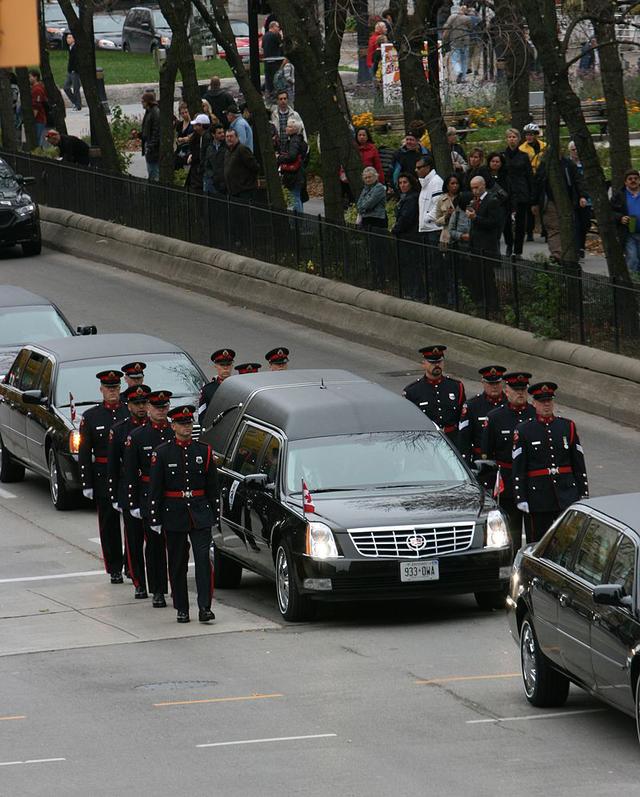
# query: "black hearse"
{"points": [[396, 513]]}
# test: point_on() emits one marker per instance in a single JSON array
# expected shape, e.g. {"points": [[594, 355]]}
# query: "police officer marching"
{"points": [[134, 536], [222, 360], [476, 410], [440, 397], [549, 470], [184, 503], [94, 430], [278, 358], [248, 368], [133, 376], [139, 447], [497, 444]]}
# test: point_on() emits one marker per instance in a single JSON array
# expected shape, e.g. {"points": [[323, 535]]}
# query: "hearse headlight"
{"points": [[74, 441], [320, 541], [497, 533]]}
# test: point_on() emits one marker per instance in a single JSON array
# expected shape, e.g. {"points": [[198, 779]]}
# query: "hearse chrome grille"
{"points": [[412, 542]]}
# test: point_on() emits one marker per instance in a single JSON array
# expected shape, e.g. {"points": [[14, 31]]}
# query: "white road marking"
{"points": [[57, 575], [30, 761], [274, 739], [6, 494], [538, 716]]}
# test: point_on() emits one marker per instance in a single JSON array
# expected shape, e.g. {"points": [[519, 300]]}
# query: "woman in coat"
{"points": [[520, 189], [369, 152], [293, 149], [406, 229], [371, 203]]}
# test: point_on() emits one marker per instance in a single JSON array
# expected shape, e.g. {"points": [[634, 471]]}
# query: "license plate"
{"points": [[420, 571]]}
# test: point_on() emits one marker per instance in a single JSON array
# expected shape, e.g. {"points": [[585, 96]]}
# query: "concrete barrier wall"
{"points": [[592, 380]]}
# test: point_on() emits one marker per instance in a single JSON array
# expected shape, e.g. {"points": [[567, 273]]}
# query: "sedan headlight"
{"points": [[74, 441], [26, 210], [497, 533], [320, 541], [165, 41], [106, 44]]}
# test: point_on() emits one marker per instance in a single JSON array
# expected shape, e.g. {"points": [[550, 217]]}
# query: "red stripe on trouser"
{"points": [[100, 460], [145, 479], [110, 535], [547, 471], [156, 560], [180, 494]]}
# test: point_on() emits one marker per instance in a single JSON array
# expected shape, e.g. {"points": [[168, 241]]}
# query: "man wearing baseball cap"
{"points": [[222, 360], [200, 140], [184, 503], [440, 397], [549, 471], [95, 426]]}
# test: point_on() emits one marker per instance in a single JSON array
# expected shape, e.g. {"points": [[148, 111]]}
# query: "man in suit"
{"points": [[486, 220]]}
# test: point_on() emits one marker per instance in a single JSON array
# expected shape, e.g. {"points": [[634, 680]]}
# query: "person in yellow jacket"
{"points": [[534, 148]]}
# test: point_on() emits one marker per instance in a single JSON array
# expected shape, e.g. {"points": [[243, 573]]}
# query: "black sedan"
{"points": [[26, 317], [107, 31], [573, 605], [51, 380], [19, 212], [394, 512]]}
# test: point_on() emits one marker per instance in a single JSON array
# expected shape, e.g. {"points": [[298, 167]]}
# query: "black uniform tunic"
{"points": [[471, 426], [95, 426], [441, 400], [206, 394]]}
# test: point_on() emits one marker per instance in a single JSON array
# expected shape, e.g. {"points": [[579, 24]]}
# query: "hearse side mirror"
{"points": [[257, 480], [28, 181], [611, 595], [481, 465], [87, 329], [33, 397]]}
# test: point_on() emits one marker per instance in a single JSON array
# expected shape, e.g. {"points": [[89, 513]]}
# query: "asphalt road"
{"points": [[102, 695]]}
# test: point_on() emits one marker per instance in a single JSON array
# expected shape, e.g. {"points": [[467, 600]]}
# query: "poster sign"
{"points": [[391, 86]]}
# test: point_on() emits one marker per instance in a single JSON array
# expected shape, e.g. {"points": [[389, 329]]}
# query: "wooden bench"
{"points": [[595, 113], [394, 122]]}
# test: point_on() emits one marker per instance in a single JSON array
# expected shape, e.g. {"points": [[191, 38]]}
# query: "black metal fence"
{"points": [[546, 299]]}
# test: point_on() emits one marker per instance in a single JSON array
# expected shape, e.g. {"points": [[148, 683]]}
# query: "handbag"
{"points": [[293, 166]]}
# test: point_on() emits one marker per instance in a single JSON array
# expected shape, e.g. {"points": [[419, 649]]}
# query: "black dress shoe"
{"points": [[116, 578], [141, 592], [158, 601], [206, 615], [183, 617]]}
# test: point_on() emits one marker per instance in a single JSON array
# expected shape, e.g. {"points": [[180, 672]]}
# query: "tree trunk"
{"points": [[543, 23], [361, 11], [7, 115], [409, 36], [219, 25], [54, 95], [28, 120], [611, 73], [82, 29], [176, 12], [315, 66], [167, 89], [516, 62]]}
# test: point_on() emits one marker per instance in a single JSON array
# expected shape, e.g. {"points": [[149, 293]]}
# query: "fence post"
{"points": [[583, 336], [616, 330], [228, 223], [399, 267], [516, 293], [296, 230], [483, 271], [456, 292], [425, 264], [321, 242]]}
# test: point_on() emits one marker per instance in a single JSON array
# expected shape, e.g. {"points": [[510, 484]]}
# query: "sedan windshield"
{"points": [[378, 460], [20, 325], [159, 21], [174, 372], [105, 23]]}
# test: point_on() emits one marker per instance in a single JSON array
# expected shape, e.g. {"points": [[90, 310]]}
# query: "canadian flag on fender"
{"points": [[72, 409], [498, 487], [307, 500]]}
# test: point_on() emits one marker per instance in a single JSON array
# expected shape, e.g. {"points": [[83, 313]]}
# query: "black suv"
{"points": [[19, 213], [393, 512]]}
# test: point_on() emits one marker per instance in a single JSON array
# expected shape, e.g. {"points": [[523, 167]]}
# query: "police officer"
{"points": [[184, 501], [94, 430], [440, 397], [133, 375], [549, 471], [137, 464], [133, 532], [222, 360], [278, 358], [476, 410], [248, 368], [497, 444]]}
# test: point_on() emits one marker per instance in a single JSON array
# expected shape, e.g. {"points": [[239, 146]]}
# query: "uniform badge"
{"points": [[516, 437], [464, 410], [199, 460], [110, 435], [565, 441], [452, 396], [154, 458], [486, 423]]}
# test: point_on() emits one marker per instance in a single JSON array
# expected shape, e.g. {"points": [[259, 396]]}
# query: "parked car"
{"points": [[145, 30], [26, 317], [240, 30], [397, 512], [36, 426], [573, 606], [107, 31], [55, 25], [19, 212]]}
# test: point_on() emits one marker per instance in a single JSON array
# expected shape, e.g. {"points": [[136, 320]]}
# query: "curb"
{"points": [[591, 380]]}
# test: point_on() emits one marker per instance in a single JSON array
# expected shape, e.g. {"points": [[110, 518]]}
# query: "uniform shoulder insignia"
{"points": [[110, 434], [127, 442], [485, 423], [154, 458], [465, 410], [516, 436]]}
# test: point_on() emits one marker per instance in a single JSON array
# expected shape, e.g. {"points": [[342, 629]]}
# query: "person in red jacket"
{"points": [[369, 152], [39, 104], [379, 30]]}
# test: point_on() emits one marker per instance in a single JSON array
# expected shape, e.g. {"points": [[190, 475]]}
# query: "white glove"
{"points": [[523, 506], [135, 512], [88, 494], [116, 507], [157, 529]]}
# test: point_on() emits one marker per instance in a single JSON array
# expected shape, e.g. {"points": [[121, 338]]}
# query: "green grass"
{"points": [[133, 67]]}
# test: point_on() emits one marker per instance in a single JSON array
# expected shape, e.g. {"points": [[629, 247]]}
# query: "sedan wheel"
{"points": [[543, 685], [293, 606], [60, 496]]}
